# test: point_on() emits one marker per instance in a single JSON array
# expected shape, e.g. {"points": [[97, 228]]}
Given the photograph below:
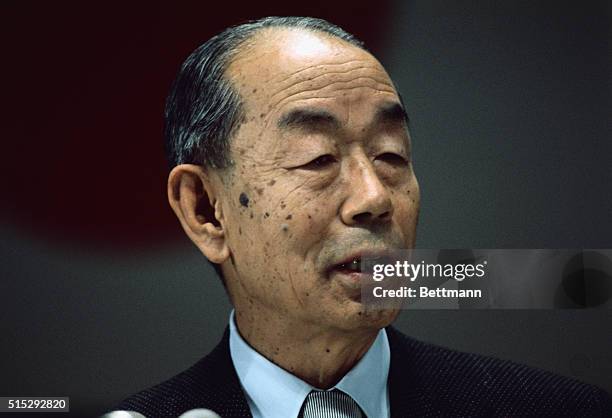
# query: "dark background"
{"points": [[102, 294]]}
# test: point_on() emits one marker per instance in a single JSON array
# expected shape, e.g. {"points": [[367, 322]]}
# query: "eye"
{"points": [[320, 162], [391, 158]]}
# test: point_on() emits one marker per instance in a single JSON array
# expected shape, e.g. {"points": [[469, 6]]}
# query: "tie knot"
{"points": [[330, 404]]}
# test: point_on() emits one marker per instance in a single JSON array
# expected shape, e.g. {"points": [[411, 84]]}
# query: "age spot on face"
{"points": [[244, 200]]}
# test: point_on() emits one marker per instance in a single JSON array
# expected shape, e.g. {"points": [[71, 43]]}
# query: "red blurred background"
{"points": [[84, 90]]}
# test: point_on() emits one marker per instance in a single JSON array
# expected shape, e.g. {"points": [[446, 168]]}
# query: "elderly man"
{"points": [[292, 161]]}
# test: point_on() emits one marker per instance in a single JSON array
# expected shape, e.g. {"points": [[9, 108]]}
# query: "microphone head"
{"points": [[123, 414], [199, 413]]}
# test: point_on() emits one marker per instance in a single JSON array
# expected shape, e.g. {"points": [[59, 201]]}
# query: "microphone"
{"points": [[123, 414], [199, 413], [192, 413]]}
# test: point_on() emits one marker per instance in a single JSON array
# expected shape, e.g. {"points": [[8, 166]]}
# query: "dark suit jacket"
{"points": [[424, 381]]}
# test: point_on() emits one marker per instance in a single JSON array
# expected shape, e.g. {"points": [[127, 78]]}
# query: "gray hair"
{"points": [[203, 109]]}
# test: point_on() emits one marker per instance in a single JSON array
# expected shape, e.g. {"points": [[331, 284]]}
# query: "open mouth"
{"points": [[349, 275], [359, 266], [352, 266]]}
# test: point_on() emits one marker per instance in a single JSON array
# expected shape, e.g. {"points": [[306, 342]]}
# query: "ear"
{"points": [[192, 197]]}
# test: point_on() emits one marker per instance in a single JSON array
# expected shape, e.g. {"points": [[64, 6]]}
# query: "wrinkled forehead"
{"points": [[279, 66]]}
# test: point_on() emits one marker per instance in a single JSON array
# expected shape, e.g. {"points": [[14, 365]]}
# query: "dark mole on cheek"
{"points": [[244, 200], [254, 90], [239, 230], [288, 217], [251, 215], [283, 205], [285, 227], [309, 217], [262, 115], [266, 215]]}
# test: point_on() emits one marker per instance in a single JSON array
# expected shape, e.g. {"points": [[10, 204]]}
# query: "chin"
{"points": [[359, 318]]}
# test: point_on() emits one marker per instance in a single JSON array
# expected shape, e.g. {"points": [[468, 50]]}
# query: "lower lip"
{"points": [[349, 279]]}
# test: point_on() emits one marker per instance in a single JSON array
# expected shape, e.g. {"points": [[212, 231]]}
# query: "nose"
{"points": [[369, 200]]}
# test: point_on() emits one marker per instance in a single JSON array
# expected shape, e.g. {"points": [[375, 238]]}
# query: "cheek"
{"points": [[280, 227], [408, 194], [262, 229], [406, 203], [291, 214]]}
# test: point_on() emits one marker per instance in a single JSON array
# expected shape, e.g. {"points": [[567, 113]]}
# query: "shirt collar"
{"points": [[366, 382]]}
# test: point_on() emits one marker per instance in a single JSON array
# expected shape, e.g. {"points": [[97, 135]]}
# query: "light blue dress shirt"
{"points": [[272, 392]]}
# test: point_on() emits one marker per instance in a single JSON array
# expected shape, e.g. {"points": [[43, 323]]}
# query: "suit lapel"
{"points": [[407, 395], [218, 382]]}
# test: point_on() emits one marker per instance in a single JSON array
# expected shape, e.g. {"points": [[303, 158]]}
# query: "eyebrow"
{"points": [[316, 119], [392, 113], [307, 118]]}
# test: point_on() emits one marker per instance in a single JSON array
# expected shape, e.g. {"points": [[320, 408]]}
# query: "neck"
{"points": [[318, 355]]}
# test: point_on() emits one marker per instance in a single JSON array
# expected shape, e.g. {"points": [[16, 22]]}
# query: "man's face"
{"points": [[321, 176]]}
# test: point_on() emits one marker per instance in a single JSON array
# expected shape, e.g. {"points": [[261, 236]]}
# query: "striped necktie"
{"points": [[330, 404]]}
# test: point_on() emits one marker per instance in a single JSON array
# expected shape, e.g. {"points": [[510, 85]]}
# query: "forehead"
{"points": [[279, 67]]}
